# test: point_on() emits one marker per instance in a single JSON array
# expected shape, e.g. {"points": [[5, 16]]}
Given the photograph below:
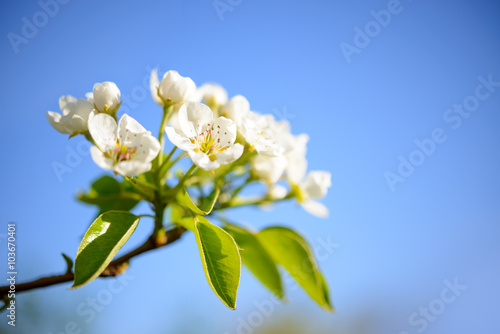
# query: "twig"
{"points": [[172, 236]]}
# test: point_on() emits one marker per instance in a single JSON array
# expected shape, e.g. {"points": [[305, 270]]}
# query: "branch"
{"points": [[150, 244]]}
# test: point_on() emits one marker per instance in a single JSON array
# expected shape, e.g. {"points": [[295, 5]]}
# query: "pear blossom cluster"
{"points": [[210, 128]]}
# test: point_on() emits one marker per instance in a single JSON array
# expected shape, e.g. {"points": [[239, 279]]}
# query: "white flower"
{"points": [[265, 134], [75, 114], [90, 97], [262, 132], [173, 88], [212, 94], [106, 97], [236, 109], [126, 148], [268, 169], [315, 187], [277, 192], [209, 142], [296, 159], [153, 86]]}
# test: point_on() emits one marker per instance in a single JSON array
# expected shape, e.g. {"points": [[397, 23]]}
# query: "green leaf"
{"points": [[220, 258], [257, 259], [69, 263], [326, 293], [183, 217], [206, 206], [290, 250], [104, 238], [109, 194]]}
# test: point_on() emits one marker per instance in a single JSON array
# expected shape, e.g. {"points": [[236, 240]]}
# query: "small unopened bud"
{"points": [[106, 97], [160, 237]]}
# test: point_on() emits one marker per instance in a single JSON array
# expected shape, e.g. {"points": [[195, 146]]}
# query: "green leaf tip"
{"points": [[291, 250], [69, 263], [204, 208]]}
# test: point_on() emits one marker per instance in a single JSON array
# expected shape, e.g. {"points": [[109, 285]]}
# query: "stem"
{"points": [[146, 215], [243, 160], [166, 165], [182, 181], [143, 183], [257, 202], [89, 137], [167, 111], [137, 187], [159, 212], [172, 236], [171, 153], [236, 191]]}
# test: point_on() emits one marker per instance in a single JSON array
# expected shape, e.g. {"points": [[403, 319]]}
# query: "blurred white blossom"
{"points": [[296, 168], [277, 192], [237, 109], [212, 94], [313, 188], [265, 134], [268, 169]]}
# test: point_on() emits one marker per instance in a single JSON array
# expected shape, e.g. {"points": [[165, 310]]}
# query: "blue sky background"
{"points": [[394, 249]]}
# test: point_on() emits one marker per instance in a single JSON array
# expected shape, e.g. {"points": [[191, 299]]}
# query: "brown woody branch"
{"points": [[150, 244]]}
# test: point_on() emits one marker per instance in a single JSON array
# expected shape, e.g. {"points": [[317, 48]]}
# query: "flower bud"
{"points": [[174, 88], [214, 95], [106, 97]]}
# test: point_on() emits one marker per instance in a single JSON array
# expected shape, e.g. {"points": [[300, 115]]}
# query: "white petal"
{"points": [[132, 167], [195, 118], [177, 88], [153, 86], [277, 191], [203, 161], [237, 109], [167, 87], [297, 162], [100, 159], [230, 154], [106, 94], [147, 148], [55, 120], [187, 90], [315, 208], [90, 97], [266, 135], [179, 139], [83, 108], [174, 120], [224, 131], [212, 94], [74, 123], [128, 129], [268, 169], [65, 100], [102, 128], [316, 184], [296, 170]]}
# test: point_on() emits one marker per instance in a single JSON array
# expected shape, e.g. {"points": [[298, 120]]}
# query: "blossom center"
{"points": [[209, 142], [121, 152]]}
